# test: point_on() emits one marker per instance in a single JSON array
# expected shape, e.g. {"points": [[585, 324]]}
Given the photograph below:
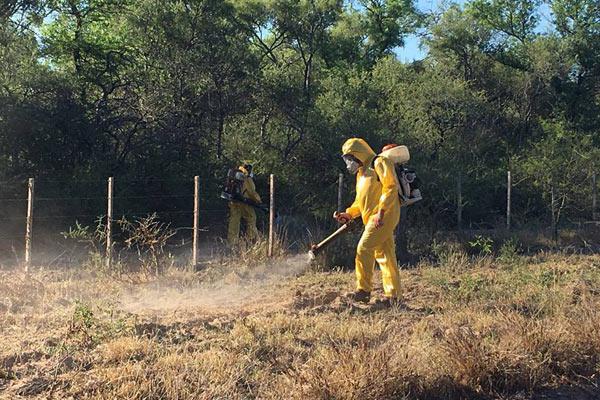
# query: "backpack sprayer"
{"points": [[408, 191], [406, 178], [232, 190]]}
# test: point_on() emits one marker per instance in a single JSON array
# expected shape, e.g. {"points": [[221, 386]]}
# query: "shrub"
{"points": [[482, 245], [509, 253]]}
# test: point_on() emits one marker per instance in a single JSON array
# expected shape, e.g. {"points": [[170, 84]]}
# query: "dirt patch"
{"points": [[315, 300], [38, 385], [8, 362]]}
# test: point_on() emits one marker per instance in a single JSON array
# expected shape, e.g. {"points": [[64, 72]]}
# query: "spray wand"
{"points": [[315, 249]]}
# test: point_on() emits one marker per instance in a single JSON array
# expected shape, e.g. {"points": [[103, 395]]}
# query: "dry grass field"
{"points": [[469, 328]]}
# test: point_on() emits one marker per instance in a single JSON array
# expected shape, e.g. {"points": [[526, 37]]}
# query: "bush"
{"points": [[508, 253], [482, 245], [148, 237]]}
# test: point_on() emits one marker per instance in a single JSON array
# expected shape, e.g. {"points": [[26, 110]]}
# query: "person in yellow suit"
{"points": [[378, 203], [239, 210]]}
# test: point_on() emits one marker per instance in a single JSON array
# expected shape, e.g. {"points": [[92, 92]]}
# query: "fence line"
{"points": [[115, 209], [111, 214]]}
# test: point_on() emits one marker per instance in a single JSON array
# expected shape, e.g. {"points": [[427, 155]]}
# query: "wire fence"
{"points": [[57, 206]]}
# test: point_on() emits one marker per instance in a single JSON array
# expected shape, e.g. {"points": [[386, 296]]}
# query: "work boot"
{"points": [[360, 296]]}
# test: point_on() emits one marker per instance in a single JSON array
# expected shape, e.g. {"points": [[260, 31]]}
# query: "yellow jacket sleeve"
{"points": [[249, 191], [389, 189], [354, 209]]}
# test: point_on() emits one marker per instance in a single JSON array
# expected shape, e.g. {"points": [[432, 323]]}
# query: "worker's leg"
{"points": [[249, 216], [365, 257], [385, 254], [233, 231]]}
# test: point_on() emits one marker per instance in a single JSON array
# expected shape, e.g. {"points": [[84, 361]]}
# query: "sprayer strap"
{"points": [[373, 167]]}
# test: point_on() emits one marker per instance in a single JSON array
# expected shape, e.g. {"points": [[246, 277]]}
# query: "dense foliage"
{"points": [[170, 89]]}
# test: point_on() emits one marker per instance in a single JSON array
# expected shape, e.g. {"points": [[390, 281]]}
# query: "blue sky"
{"points": [[413, 50]]}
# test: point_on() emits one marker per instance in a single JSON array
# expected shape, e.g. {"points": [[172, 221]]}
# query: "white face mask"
{"points": [[352, 165]]}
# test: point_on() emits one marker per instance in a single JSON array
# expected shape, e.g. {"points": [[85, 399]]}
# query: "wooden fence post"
{"points": [[508, 199], [340, 192], [196, 221], [271, 215], [594, 198], [109, 218], [459, 201], [29, 229], [554, 212]]}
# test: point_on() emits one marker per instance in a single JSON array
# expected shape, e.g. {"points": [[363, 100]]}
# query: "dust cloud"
{"points": [[232, 291]]}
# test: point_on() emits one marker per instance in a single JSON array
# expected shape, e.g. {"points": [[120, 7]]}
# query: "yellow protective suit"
{"points": [[376, 189], [239, 211]]}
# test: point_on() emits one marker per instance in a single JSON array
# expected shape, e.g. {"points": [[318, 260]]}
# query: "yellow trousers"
{"points": [[237, 212], [378, 245]]}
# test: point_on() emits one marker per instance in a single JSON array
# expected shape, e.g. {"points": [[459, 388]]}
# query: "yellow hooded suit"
{"points": [[238, 211], [376, 189]]}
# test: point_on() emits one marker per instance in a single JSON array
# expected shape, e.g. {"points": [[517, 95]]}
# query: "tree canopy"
{"points": [[177, 88]]}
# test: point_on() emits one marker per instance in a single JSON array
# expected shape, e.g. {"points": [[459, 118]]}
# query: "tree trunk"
{"points": [[78, 29]]}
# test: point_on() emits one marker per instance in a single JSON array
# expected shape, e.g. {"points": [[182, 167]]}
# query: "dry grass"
{"points": [[469, 328]]}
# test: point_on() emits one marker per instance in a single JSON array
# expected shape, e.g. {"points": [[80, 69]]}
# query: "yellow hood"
{"points": [[360, 149], [244, 170]]}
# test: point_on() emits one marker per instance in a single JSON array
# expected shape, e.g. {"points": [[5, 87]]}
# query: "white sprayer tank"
{"points": [[398, 154]]}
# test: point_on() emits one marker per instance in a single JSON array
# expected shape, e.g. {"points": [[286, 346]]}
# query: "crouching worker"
{"points": [[378, 204], [239, 210]]}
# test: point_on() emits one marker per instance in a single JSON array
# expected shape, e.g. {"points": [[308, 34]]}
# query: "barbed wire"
{"points": [[40, 213], [118, 214], [24, 181], [36, 199]]}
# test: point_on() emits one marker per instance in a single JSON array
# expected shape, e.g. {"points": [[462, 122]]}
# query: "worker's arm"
{"points": [[389, 190], [249, 191]]}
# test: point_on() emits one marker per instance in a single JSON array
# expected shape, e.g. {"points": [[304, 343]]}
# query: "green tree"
{"points": [[560, 165], [386, 24], [578, 26]]}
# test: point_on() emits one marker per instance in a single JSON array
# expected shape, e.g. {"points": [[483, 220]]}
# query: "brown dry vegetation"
{"points": [[484, 328]]}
